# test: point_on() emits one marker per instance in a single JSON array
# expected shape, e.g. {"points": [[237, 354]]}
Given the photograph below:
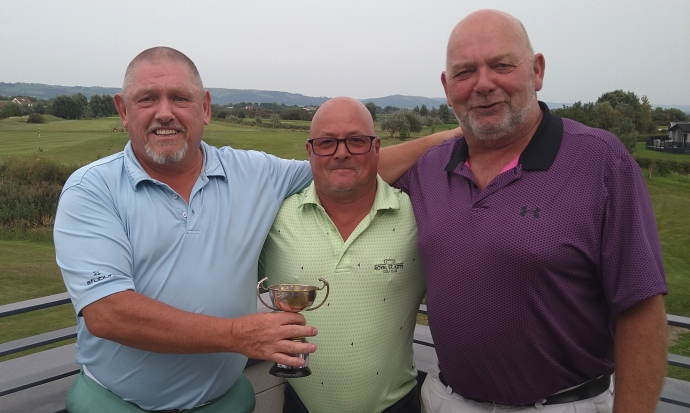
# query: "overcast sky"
{"points": [[362, 49]]}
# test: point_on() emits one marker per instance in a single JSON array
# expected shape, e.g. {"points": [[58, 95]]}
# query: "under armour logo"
{"points": [[535, 212]]}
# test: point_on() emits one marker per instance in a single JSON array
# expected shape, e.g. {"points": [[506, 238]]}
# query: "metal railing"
{"points": [[69, 367]]}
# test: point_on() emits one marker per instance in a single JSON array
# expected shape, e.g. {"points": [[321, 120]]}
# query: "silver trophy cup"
{"points": [[292, 298]]}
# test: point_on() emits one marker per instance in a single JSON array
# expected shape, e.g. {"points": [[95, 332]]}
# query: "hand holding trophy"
{"points": [[292, 298]]}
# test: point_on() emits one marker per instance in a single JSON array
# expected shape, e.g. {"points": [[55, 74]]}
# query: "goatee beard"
{"points": [[166, 159]]}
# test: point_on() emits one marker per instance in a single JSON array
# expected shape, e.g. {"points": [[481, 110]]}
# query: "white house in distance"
{"points": [[22, 100]]}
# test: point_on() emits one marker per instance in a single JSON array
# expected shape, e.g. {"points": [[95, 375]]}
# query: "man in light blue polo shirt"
{"points": [[158, 246]]}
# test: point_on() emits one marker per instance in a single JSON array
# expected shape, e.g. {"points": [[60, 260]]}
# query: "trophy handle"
{"points": [[328, 290], [259, 288]]}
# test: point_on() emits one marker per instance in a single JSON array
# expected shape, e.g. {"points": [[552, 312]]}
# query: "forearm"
{"points": [[138, 321], [640, 356], [395, 160]]}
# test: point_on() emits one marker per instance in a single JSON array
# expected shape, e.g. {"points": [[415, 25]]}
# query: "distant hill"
{"points": [[41, 91], [402, 101], [220, 96], [223, 96]]}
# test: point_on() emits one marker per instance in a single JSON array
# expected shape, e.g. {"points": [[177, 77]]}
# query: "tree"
{"points": [[444, 113], [108, 106], [275, 120], [82, 101], [67, 107], [625, 131], [416, 110], [423, 111], [583, 113], [607, 118], [659, 115], [40, 108], [396, 123], [414, 120], [676, 115], [643, 117], [617, 97], [11, 109], [96, 104], [372, 109], [433, 112], [292, 114]]}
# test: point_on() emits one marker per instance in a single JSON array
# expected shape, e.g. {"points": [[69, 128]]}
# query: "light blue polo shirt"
{"points": [[118, 229]]}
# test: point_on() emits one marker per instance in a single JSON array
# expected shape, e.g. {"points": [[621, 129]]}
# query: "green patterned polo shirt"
{"points": [[363, 361]]}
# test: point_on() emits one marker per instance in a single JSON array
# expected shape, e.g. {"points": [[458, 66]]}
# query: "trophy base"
{"points": [[289, 373]]}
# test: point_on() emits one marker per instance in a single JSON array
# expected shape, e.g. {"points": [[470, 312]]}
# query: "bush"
{"points": [[35, 118], [663, 167], [643, 162], [29, 191]]}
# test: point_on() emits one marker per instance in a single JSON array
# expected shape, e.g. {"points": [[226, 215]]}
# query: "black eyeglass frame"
{"points": [[344, 141]]}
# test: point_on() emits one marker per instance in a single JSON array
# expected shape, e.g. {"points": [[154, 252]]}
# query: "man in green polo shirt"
{"points": [[359, 234]]}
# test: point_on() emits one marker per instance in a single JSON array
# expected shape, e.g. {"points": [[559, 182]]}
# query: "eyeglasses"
{"points": [[356, 145]]}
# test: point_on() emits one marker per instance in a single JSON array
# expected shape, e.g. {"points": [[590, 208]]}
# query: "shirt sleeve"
{"points": [[404, 182], [288, 175], [632, 265], [91, 245]]}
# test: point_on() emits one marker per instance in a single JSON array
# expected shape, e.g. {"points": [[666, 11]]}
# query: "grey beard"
{"points": [[506, 126], [495, 131], [161, 159]]}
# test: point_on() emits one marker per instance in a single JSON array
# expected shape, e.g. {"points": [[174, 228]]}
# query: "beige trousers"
{"points": [[437, 398]]}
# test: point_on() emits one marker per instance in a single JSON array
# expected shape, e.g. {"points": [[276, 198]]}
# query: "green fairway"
{"points": [[71, 141], [83, 141]]}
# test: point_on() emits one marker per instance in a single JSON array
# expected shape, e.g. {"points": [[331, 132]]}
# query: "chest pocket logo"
{"points": [[535, 212], [389, 265]]}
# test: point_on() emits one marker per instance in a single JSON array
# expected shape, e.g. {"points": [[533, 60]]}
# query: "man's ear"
{"points": [[207, 107], [445, 87], [121, 108], [538, 67]]}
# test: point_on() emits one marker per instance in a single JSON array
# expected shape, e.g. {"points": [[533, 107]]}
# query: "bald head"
{"points": [[487, 22], [492, 77], [338, 107], [342, 133], [162, 54]]}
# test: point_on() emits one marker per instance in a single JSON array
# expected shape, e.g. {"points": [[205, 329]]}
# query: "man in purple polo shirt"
{"points": [[542, 258]]}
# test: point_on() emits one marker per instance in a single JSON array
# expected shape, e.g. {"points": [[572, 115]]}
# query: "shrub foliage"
{"points": [[663, 167], [29, 191]]}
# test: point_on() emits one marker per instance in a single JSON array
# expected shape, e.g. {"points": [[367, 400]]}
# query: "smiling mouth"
{"points": [[165, 132]]}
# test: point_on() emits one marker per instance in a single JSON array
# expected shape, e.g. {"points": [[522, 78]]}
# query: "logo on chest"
{"points": [[389, 265], [533, 212]]}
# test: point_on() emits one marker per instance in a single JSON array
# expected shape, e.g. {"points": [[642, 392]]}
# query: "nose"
{"points": [[164, 112], [341, 151], [485, 82]]}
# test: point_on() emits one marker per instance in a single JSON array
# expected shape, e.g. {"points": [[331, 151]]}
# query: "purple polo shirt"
{"points": [[525, 277]]}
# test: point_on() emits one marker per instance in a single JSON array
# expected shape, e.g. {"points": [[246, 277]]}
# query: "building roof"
{"points": [[684, 126], [22, 100]]}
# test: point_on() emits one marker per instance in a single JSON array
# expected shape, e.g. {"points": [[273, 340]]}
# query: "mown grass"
{"points": [[29, 271], [670, 196], [682, 348], [29, 268], [641, 150]]}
